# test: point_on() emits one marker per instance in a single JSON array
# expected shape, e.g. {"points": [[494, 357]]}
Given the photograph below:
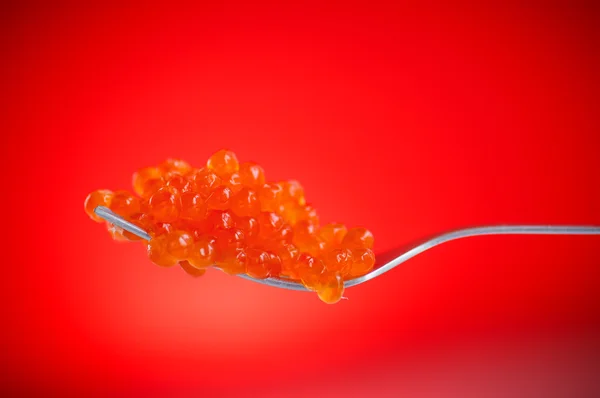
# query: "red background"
{"points": [[409, 121]]}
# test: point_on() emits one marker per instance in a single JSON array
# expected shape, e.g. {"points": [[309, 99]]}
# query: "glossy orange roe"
{"points": [[101, 197], [226, 214]]}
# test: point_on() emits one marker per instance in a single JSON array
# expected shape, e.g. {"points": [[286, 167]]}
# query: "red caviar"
{"points": [[226, 214]]}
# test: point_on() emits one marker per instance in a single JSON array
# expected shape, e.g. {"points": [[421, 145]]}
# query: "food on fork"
{"points": [[227, 215]]}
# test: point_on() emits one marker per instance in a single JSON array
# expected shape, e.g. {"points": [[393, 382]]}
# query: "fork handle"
{"points": [[471, 232]]}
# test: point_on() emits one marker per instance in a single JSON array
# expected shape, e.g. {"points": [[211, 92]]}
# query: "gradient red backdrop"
{"points": [[409, 121]]}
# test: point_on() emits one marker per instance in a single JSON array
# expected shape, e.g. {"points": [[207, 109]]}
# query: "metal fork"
{"points": [[391, 259]]}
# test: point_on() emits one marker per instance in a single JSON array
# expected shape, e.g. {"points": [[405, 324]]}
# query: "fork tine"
{"points": [[115, 219]]}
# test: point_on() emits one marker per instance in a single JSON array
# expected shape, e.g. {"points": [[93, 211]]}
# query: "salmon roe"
{"points": [[226, 214]]}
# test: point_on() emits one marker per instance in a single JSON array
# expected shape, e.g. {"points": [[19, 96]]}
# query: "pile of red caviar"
{"points": [[226, 215]]}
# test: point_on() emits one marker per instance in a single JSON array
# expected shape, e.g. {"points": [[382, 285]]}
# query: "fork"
{"points": [[390, 259]]}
